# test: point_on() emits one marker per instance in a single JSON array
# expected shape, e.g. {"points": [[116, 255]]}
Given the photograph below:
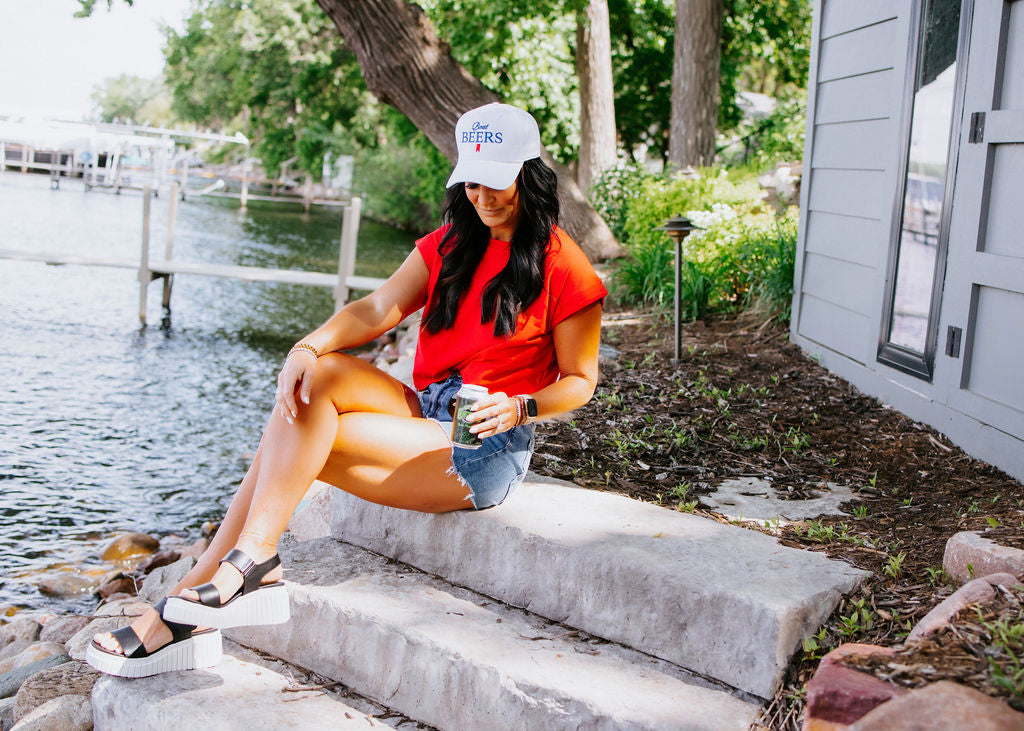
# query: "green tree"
{"points": [[131, 100], [274, 69]]}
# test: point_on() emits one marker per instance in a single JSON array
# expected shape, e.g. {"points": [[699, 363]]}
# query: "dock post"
{"points": [[347, 253], [184, 177], [144, 273], [244, 197], [172, 212], [307, 193]]}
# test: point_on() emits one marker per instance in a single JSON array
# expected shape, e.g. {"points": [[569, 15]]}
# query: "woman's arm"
{"points": [[359, 322], [576, 339], [353, 325]]}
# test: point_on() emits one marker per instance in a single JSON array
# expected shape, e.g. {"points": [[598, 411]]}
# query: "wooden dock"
{"points": [[160, 268], [341, 282]]}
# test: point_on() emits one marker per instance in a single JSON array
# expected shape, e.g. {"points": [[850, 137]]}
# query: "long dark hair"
{"points": [[462, 248]]}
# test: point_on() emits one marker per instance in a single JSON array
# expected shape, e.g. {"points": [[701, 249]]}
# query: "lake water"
{"points": [[106, 426]]}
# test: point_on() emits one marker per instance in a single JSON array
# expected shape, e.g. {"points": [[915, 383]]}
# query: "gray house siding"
{"points": [[852, 172]]}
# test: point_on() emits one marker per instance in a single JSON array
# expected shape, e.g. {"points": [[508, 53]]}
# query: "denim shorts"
{"points": [[495, 468]]}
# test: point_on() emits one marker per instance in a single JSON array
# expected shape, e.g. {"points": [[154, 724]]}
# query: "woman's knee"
{"points": [[334, 369]]}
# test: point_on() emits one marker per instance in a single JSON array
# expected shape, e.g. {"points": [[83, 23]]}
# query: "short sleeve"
{"points": [[428, 247], [573, 282]]}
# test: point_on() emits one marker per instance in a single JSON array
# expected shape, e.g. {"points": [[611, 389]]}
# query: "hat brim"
{"points": [[496, 175]]}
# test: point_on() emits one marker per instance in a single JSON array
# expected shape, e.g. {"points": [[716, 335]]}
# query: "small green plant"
{"points": [[679, 492], [687, 507], [857, 622], [894, 567], [1006, 663], [860, 511], [992, 522], [936, 575], [908, 501], [813, 646]]}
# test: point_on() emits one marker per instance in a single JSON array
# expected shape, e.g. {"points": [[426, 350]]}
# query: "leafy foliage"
{"points": [[132, 100], [742, 257], [766, 48], [523, 51]]}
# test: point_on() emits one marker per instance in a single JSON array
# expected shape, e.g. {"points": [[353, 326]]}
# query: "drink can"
{"points": [[464, 400]]}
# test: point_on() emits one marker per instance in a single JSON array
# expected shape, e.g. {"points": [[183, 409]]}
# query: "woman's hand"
{"points": [[296, 374], [493, 414]]}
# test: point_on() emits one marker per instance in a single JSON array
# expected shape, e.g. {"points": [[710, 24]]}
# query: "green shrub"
{"points": [[742, 256]]}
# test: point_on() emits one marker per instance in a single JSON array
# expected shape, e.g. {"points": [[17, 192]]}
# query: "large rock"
{"points": [[312, 518], [70, 678], [6, 713], [968, 553], [979, 591], [11, 650], [10, 682], [66, 584], [64, 713], [232, 695], [22, 628], [128, 546], [841, 695], [63, 629], [725, 602], [35, 652], [454, 659], [942, 706], [159, 582], [158, 559]]}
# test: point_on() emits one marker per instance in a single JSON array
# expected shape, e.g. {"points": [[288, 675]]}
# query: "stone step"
{"points": [[726, 602], [235, 694], [454, 659]]}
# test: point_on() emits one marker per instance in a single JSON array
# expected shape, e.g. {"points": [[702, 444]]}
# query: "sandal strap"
{"points": [[131, 645], [252, 572], [209, 595], [179, 631]]}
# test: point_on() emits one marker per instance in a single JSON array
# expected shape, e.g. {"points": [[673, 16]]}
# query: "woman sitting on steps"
{"points": [[510, 303]]}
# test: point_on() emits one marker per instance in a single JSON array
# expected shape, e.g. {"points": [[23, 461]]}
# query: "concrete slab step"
{"points": [[723, 601], [233, 695], [454, 659]]}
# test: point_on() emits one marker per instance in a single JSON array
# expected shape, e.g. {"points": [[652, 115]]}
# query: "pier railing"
{"points": [[341, 283]]}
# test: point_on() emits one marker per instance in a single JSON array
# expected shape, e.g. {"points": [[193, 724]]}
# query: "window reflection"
{"points": [[926, 174]]}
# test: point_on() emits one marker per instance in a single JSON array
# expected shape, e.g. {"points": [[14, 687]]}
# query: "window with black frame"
{"points": [[918, 250]]}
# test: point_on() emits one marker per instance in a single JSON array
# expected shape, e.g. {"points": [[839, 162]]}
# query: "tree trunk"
{"points": [[597, 96], [407, 66], [695, 72]]}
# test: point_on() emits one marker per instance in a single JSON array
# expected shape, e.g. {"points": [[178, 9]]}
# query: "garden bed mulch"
{"points": [[745, 402]]}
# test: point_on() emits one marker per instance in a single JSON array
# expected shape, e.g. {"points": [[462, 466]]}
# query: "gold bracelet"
{"points": [[304, 346]]}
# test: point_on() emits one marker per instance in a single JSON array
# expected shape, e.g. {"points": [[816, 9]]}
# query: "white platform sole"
{"points": [[202, 650], [268, 605]]}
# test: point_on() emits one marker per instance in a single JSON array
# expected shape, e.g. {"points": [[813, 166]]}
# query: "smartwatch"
{"points": [[531, 406]]}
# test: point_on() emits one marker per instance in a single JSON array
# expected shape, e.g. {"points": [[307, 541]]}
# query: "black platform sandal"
{"points": [[187, 650], [253, 603]]}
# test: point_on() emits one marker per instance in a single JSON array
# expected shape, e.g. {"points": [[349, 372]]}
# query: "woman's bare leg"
{"points": [[360, 431], [150, 627], [382, 468]]}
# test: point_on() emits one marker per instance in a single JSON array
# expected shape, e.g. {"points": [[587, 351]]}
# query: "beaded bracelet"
{"points": [[523, 416], [519, 411], [304, 346]]}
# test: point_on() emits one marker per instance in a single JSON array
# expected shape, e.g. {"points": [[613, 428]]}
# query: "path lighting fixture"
{"points": [[678, 227]]}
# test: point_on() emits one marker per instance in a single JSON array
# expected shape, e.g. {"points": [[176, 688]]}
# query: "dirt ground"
{"points": [[744, 402]]}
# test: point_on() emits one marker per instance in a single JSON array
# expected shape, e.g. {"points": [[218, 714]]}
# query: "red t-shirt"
{"points": [[523, 362]]}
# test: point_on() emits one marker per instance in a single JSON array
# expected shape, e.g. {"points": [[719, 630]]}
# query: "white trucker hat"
{"points": [[494, 141]]}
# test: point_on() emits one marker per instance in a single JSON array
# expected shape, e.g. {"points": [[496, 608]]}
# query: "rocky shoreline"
{"points": [[44, 682]]}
